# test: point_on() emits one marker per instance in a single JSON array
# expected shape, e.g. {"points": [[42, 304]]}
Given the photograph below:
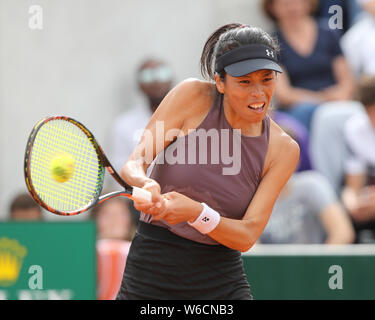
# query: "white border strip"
{"points": [[310, 250]]}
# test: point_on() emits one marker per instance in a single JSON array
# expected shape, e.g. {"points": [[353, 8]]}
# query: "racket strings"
{"points": [[56, 137]]}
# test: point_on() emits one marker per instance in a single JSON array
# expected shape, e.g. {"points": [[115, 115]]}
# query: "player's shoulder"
{"points": [[195, 88], [192, 97], [283, 145]]}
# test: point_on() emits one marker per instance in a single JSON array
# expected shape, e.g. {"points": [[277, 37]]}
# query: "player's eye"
{"points": [[267, 79]]}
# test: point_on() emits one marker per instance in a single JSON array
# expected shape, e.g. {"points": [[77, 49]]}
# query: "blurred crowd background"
{"points": [[110, 63]]}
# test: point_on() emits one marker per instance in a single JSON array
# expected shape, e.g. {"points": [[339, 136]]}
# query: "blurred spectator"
{"points": [[359, 192], [328, 150], [116, 225], [115, 219], [154, 79], [359, 42], [315, 70], [24, 208], [307, 212], [298, 132]]}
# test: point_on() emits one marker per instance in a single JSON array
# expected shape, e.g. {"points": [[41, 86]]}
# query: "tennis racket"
{"points": [[82, 185]]}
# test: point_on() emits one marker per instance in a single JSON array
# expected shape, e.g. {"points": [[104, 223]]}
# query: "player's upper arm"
{"points": [[178, 105], [282, 165]]}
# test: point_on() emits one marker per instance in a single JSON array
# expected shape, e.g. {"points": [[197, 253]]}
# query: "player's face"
{"points": [[250, 95]]}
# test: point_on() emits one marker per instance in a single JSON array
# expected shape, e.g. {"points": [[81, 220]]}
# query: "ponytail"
{"points": [[208, 57]]}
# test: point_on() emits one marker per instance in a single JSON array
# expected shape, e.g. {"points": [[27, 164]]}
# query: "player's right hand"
{"points": [[154, 188]]}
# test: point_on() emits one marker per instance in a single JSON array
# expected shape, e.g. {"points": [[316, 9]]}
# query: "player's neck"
{"points": [[248, 128]]}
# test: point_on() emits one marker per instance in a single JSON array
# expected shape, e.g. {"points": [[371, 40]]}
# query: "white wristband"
{"points": [[207, 220]]}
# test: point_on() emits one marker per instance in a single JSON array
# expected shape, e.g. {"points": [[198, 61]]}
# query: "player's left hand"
{"points": [[176, 208]]}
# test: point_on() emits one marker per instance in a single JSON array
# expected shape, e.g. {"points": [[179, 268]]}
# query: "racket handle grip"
{"points": [[141, 194]]}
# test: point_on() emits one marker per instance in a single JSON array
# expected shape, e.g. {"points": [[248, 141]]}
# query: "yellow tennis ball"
{"points": [[62, 166]]}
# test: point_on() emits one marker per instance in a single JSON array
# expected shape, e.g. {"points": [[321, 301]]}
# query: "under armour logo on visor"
{"points": [[269, 53], [205, 219]]}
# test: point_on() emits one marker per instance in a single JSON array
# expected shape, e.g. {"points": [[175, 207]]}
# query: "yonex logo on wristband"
{"points": [[207, 220]]}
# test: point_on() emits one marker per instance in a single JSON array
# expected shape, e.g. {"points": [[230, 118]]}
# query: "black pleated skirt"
{"points": [[164, 266]]}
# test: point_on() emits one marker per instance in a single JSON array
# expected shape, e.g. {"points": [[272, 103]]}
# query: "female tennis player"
{"points": [[204, 213]]}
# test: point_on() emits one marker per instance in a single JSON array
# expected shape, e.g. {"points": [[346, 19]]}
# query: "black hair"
{"points": [[228, 37]]}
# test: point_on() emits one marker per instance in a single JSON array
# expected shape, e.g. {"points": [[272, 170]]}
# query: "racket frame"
{"points": [[103, 162]]}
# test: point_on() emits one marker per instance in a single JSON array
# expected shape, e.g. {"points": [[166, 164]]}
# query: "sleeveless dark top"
{"points": [[223, 171]]}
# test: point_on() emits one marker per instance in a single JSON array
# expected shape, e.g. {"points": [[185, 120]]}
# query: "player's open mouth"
{"points": [[258, 107]]}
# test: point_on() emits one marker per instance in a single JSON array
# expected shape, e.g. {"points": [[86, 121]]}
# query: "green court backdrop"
{"points": [[47, 260], [57, 260], [315, 272]]}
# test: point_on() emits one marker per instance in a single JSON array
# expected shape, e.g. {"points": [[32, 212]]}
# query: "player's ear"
{"points": [[220, 85]]}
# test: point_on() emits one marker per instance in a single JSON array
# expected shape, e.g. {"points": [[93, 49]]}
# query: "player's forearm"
{"points": [[236, 234], [239, 235], [134, 173]]}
